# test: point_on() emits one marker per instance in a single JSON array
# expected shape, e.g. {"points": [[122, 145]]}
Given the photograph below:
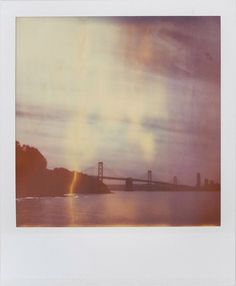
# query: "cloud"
{"points": [[185, 127], [43, 114], [178, 47]]}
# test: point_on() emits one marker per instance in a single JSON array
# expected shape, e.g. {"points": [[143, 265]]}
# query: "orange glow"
{"points": [[73, 182]]}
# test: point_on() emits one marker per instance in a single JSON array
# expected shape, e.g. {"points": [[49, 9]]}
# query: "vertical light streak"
{"points": [[73, 182]]}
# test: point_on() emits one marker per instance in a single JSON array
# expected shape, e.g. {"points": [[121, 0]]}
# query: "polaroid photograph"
{"points": [[117, 151]]}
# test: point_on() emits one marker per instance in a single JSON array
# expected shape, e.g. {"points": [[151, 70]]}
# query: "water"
{"points": [[121, 208]]}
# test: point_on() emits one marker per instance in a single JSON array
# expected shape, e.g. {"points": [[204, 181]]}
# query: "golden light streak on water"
{"points": [[71, 209], [73, 182], [71, 201]]}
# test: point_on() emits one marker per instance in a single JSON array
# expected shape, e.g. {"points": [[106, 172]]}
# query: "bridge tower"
{"points": [[149, 179], [129, 184], [100, 171], [149, 176]]}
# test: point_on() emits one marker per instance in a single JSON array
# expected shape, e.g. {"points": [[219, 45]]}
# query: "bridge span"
{"points": [[128, 180], [154, 184]]}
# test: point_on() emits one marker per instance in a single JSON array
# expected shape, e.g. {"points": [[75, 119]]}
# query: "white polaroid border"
{"points": [[117, 256]]}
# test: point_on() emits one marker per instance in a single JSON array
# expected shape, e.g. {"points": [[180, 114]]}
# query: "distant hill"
{"points": [[33, 179]]}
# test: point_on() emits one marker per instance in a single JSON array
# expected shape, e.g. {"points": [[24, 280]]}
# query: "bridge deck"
{"points": [[133, 179]]}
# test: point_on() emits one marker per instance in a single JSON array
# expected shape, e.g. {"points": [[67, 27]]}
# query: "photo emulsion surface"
{"points": [[117, 121]]}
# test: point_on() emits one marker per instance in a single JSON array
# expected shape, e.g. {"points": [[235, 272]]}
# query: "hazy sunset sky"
{"points": [[137, 93]]}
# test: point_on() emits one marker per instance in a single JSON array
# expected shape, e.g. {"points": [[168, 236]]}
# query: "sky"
{"points": [[137, 93]]}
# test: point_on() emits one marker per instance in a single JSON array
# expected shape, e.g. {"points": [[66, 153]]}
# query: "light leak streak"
{"points": [[73, 182]]}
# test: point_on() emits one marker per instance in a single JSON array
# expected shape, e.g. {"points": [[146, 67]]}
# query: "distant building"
{"points": [[175, 181], [198, 180], [206, 182]]}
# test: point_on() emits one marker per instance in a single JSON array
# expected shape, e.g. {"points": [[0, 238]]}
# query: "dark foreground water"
{"points": [[122, 209]]}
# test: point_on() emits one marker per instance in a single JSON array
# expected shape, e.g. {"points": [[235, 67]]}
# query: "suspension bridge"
{"points": [[129, 181]]}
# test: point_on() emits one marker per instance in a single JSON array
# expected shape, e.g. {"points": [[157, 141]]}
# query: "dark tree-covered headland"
{"points": [[33, 179]]}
